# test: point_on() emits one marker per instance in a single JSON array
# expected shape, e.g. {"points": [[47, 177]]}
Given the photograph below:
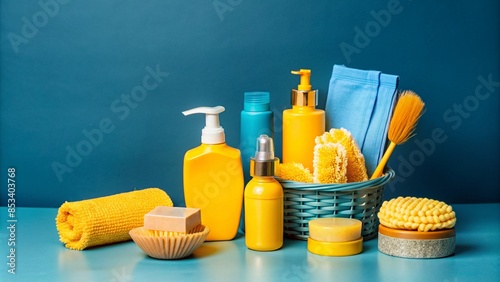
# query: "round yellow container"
{"points": [[336, 249], [335, 236]]}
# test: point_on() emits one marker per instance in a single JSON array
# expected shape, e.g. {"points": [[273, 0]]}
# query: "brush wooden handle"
{"points": [[383, 161]]}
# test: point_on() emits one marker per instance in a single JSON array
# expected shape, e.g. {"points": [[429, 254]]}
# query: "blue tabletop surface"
{"points": [[41, 257]]}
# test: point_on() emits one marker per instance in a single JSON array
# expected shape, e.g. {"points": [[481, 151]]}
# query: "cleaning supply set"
{"points": [[336, 183], [321, 192], [358, 110]]}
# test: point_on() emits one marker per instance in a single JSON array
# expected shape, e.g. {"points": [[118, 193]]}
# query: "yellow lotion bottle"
{"points": [[263, 200], [302, 123], [213, 178]]}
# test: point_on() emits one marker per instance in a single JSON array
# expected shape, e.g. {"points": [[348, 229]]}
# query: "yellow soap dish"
{"points": [[169, 245]]}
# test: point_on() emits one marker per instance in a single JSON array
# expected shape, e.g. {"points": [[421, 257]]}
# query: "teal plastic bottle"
{"points": [[256, 119]]}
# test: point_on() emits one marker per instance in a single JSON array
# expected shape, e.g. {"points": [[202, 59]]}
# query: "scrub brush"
{"points": [[404, 119]]}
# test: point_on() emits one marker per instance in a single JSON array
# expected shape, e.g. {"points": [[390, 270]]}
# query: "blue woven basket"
{"points": [[306, 201]]}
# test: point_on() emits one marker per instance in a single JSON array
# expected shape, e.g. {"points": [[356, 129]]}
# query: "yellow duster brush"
{"points": [[404, 119]]}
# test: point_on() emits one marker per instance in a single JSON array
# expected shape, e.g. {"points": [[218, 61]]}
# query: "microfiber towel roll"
{"points": [[106, 220], [361, 101]]}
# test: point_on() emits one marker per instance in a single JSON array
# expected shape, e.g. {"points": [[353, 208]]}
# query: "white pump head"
{"points": [[212, 133]]}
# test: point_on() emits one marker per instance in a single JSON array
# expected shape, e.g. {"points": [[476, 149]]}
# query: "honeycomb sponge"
{"points": [[294, 172], [356, 168], [420, 214], [330, 163]]}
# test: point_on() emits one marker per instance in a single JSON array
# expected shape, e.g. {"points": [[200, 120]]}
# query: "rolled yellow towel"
{"points": [[106, 220]]}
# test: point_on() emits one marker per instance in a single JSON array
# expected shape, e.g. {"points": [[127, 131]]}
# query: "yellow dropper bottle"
{"points": [[263, 200], [302, 123]]}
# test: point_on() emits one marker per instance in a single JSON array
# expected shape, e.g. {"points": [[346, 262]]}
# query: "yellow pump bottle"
{"points": [[263, 200], [213, 178], [302, 124]]}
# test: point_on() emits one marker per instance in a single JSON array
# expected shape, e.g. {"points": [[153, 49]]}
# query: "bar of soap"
{"points": [[335, 229], [172, 219]]}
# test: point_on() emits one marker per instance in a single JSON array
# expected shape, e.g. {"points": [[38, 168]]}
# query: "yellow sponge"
{"points": [[413, 213], [330, 163], [356, 168], [294, 172], [106, 220]]}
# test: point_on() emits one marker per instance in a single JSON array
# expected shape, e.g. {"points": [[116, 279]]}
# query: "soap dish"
{"points": [[169, 245], [416, 244]]}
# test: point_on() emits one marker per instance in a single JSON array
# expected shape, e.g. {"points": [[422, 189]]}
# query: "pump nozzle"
{"points": [[265, 148], [305, 78], [212, 133], [304, 95]]}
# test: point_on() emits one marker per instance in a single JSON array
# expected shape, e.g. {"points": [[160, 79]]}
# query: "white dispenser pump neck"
{"points": [[212, 133]]}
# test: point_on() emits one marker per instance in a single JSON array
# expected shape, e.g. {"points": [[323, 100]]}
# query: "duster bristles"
{"points": [[404, 119], [406, 114]]}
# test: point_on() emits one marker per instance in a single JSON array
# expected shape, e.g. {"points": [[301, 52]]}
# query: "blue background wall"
{"points": [[68, 67]]}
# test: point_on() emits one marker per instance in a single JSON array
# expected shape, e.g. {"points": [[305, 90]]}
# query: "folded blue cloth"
{"points": [[376, 138], [362, 101]]}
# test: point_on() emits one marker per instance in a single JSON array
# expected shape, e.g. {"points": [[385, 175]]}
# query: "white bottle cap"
{"points": [[212, 133]]}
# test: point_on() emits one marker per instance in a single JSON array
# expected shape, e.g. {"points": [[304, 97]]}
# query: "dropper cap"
{"points": [[212, 133], [263, 164], [303, 95]]}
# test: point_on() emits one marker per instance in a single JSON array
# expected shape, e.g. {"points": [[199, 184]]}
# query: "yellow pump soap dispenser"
{"points": [[213, 178], [303, 123]]}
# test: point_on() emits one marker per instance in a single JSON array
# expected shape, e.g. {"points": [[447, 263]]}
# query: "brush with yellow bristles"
{"points": [[404, 119]]}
